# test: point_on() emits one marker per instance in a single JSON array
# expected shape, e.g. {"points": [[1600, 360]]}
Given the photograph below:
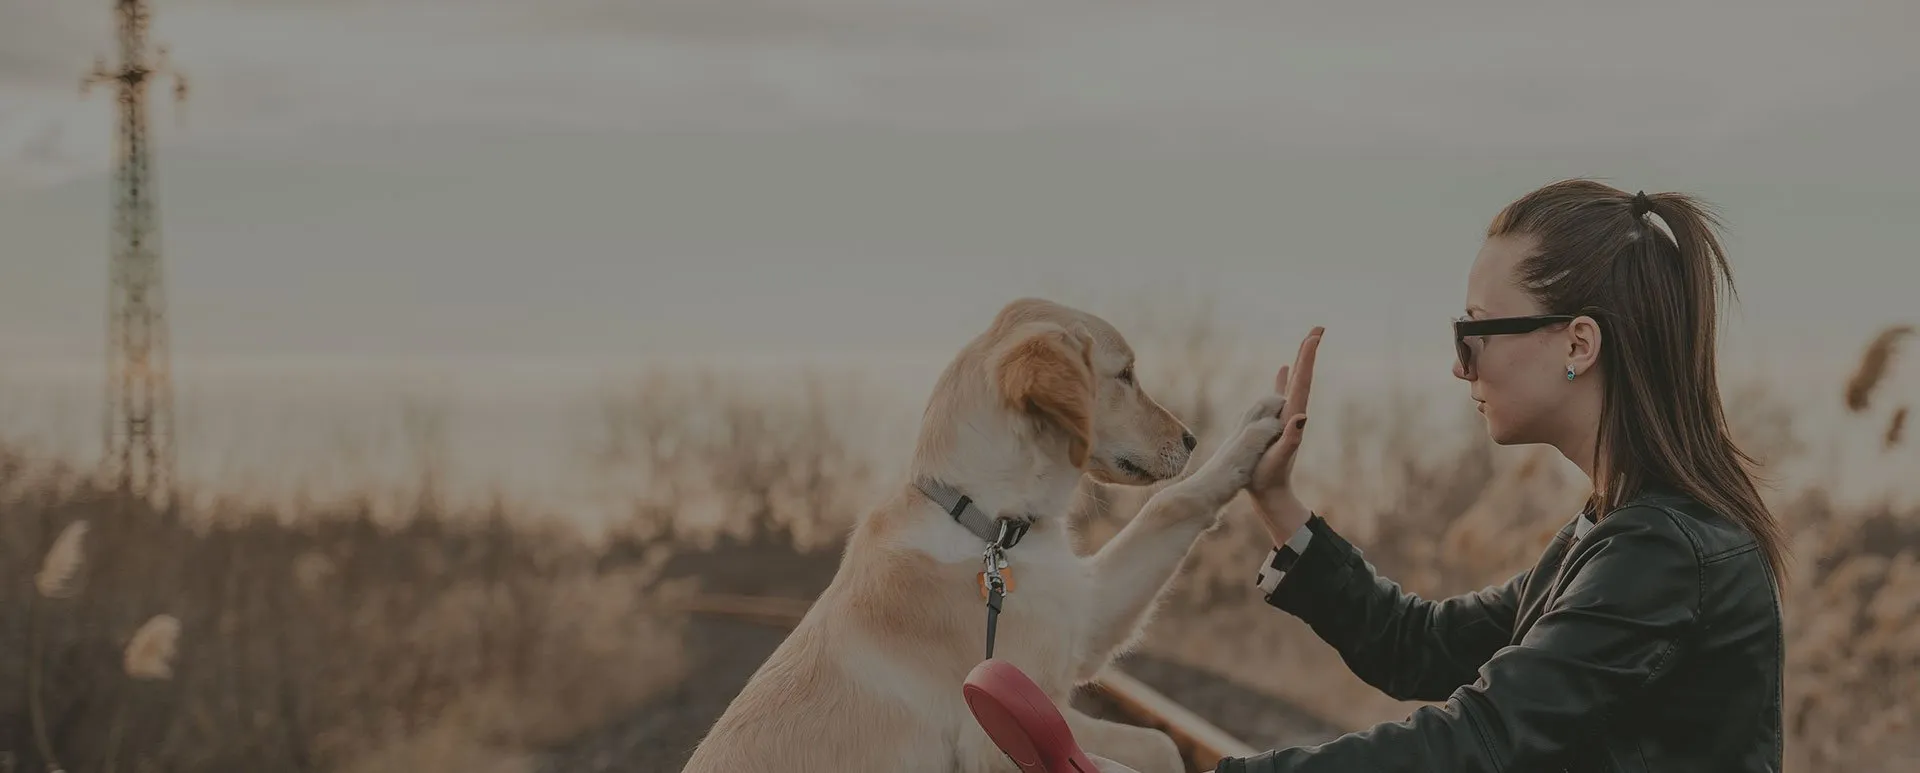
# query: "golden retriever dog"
{"points": [[870, 679]]}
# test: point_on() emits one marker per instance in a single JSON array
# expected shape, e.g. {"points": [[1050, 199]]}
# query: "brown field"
{"points": [[234, 638]]}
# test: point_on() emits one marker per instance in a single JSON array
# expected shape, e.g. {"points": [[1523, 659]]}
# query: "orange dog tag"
{"points": [[1005, 574]]}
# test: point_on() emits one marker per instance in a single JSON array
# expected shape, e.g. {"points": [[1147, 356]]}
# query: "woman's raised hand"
{"points": [[1274, 498]]}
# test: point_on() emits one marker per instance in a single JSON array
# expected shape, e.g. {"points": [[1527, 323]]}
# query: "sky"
{"points": [[511, 191]]}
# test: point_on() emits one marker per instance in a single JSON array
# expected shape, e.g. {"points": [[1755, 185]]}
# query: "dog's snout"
{"points": [[1187, 439]]}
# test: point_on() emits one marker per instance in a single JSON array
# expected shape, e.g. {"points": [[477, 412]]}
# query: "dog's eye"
{"points": [[1126, 375]]}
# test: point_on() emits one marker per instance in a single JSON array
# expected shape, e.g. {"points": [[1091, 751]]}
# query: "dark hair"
{"points": [[1654, 295]]}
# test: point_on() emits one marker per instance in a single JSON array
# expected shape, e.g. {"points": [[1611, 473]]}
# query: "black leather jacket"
{"points": [[1652, 642]]}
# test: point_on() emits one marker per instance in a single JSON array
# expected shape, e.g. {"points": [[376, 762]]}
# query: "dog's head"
{"points": [[1069, 375]]}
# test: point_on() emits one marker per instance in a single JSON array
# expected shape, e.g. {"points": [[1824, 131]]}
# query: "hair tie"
{"points": [[1641, 204]]}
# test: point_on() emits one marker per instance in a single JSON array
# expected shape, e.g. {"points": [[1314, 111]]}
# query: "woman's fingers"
{"points": [[1296, 382], [1300, 386], [1271, 484]]}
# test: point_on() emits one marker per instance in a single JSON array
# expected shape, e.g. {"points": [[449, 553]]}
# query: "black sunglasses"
{"points": [[1464, 328]]}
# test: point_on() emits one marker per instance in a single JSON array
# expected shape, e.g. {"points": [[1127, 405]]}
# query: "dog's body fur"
{"points": [[870, 679]]}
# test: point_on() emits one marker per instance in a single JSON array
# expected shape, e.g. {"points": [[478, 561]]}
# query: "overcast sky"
{"points": [[410, 180]]}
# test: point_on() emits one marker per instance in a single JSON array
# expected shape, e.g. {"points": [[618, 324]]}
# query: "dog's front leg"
{"points": [[1132, 568]]}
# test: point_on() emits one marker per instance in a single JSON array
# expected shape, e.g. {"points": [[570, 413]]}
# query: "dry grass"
{"points": [[338, 640], [324, 642], [703, 457]]}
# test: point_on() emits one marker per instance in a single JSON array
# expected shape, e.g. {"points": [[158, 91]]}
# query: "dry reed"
{"points": [[62, 565], [149, 655], [1875, 363]]}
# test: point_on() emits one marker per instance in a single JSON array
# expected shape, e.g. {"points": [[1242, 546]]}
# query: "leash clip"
{"points": [[993, 580], [993, 587]]}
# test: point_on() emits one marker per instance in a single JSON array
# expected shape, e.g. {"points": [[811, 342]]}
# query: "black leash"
{"points": [[1000, 534], [996, 559], [993, 616]]}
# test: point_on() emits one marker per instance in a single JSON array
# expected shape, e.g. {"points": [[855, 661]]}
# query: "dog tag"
{"points": [[1005, 574]]}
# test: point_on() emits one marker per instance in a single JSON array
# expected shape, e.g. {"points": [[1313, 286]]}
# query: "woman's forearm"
{"points": [[1408, 647], [1282, 514]]}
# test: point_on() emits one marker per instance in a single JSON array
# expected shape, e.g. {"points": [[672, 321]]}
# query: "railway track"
{"points": [[1117, 695]]}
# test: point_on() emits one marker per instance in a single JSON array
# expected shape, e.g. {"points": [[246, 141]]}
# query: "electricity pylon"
{"points": [[139, 395]]}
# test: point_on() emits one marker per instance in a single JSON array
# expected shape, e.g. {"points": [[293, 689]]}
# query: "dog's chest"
{"points": [[1043, 620]]}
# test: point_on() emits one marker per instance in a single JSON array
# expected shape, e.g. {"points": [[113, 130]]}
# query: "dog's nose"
{"points": [[1187, 439]]}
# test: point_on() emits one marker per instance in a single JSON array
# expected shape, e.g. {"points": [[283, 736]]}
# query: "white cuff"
{"points": [[1272, 571]]}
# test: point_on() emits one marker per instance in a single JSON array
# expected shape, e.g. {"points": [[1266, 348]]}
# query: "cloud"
{"points": [[1454, 78]]}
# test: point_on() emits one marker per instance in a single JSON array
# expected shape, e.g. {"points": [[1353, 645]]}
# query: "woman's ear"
{"points": [[1583, 344]]}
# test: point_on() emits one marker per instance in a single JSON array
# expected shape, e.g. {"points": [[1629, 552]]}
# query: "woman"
{"points": [[1647, 636]]}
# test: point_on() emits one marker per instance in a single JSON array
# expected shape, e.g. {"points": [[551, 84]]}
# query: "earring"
{"points": [[1569, 372]]}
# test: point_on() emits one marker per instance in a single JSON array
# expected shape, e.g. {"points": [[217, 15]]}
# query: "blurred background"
{"points": [[500, 338]]}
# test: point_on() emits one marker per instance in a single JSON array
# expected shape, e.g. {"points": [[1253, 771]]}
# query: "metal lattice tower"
{"points": [[139, 394]]}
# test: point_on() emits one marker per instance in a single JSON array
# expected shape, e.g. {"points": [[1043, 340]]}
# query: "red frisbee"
{"points": [[1022, 720]]}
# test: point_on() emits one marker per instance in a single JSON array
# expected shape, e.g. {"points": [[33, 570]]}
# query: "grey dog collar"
{"points": [[1003, 531]]}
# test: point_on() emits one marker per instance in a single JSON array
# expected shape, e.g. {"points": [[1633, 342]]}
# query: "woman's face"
{"points": [[1519, 381]]}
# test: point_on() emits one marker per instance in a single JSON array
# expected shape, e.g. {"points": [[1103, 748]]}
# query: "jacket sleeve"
{"points": [[1408, 647], [1631, 600]]}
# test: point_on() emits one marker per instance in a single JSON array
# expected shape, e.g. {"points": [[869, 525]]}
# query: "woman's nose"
{"points": [[1460, 372]]}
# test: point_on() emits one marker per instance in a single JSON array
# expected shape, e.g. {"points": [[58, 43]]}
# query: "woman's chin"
{"points": [[1504, 435], [1495, 431]]}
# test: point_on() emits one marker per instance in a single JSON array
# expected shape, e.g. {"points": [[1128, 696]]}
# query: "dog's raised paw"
{"points": [[1268, 406], [1232, 467]]}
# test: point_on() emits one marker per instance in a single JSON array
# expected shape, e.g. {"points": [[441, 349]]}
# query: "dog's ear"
{"points": [[1048, 370]]}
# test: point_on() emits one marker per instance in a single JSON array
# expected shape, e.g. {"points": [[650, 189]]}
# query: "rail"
{"points": [[1128, 699]]}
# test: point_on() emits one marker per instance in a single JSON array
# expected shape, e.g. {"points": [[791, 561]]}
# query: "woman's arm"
{"points": [[1408, 647], [1631, 601]]}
